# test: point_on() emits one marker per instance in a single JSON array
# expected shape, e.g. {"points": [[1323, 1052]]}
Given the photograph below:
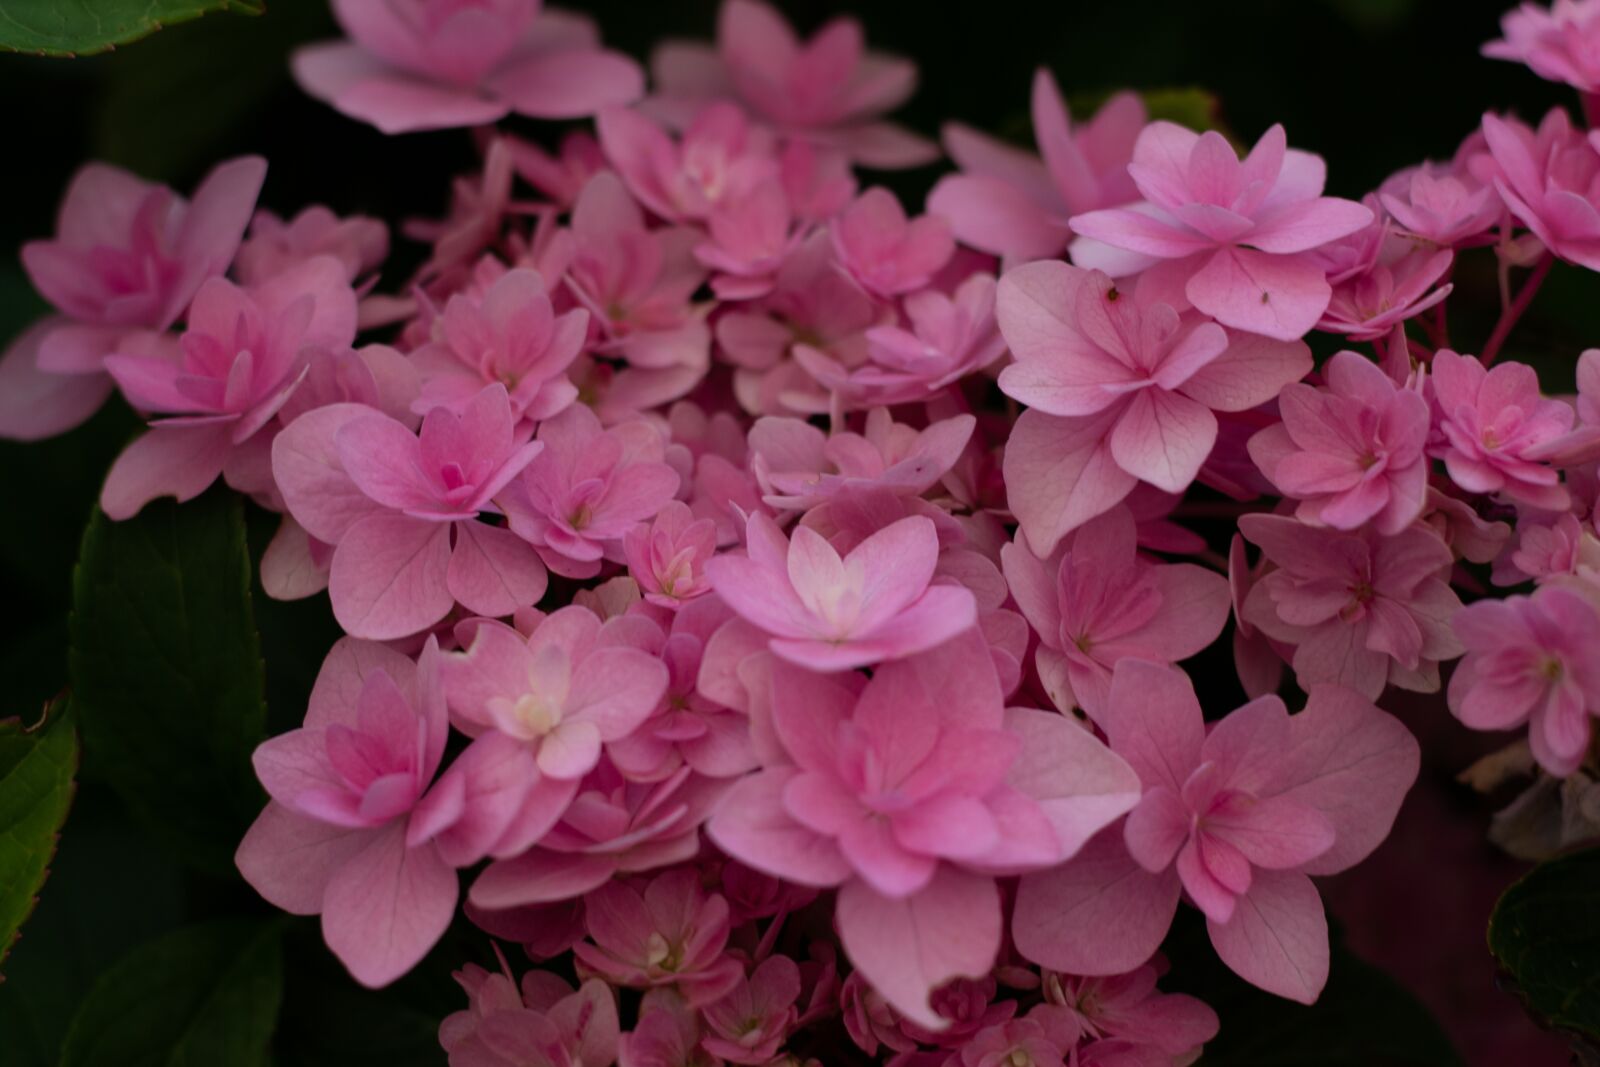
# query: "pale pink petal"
{"points": [[289, 858], [175, 461], [1079, 783], [1278, 296], [36, 404], [1277, 938], [309, 474], [992, 215], [389, 577], [387, 906], [1059, 474], [1155, 722], [568, 85], [493, 572], [1163, 438], [752, 825], [1252, 370]]}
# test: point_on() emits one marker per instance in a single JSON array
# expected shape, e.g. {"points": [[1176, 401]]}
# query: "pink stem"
{"points": [[1509, 317]]}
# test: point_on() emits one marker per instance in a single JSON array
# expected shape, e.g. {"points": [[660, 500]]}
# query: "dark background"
{"points": [[1373, 85]]}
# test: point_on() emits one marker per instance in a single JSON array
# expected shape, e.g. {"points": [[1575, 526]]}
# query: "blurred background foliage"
{"points": [[1373, 85]]}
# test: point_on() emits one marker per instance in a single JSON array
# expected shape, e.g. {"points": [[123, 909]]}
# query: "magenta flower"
{"points": [[1120, 389], [1238, 233], [436, 64], [719, 156], [886, 253], [1351, 452], [223, 380], [828, 90], [1370, 305], [509, 334], [1362, 610], [830, 613], [1236, 817], [588, 488], [751, 1022], [1492, 424], [673, 934], [668, 557], [1010, 204], [1530, 659], [1550, 180], [1101, 603], [403, 511], [339, 837], [563, 692], [1560, 43], [127, 256]]}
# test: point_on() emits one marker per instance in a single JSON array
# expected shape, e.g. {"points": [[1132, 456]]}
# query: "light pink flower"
{"points": [[886, 253], [223, 380], [1561, 42], [546, 1023], [1530, 659], [588, 488], [717, 157], [751, 1022], [831, 614], [1351, 452], [1098, 603], [339, 837], [1549, 547], [1237, 234], [750, 235], [673, 934], [798, 466], [1445, 203], [561, 175], [1362, 609], [1120, 389], [1492, 422], [1370, 305], [1550, 179], [509, 334], [358, 242], [828, 90], [666, 1035], [1012, 204], [1237, 817], [127, 256], [668, 557], [403, 511], [436, 64]]}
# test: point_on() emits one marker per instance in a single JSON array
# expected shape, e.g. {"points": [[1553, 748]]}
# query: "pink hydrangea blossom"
{"points": [[436, 64], [1048, 1034], [1370, 305], [1492, 422], [667, 1035], [886, 253], [1236, 236], [1011, 204], [1447, 204], [667, 557], [128, 256], [1549, 547], [832, 613], [1560, 42], [1550, 180], [751, 1022], [1121, 389], [799, 466], [1236, 817], [1530, 659], [1130, 1007], [1096, 602], [828, 89], [358, 242], [1351, 452], [1360, 609], [719, 156], [339, 837], [544, 1022]]}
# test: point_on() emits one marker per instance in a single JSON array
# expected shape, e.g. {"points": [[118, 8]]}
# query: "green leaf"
{"points": [[1545, 931], [81, 27], [166, 671], [36, 769], [203, 996]]}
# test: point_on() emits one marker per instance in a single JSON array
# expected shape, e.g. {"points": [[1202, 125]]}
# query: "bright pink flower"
{"points": [[563, 692], [1549, 547], [511, 335], [828, 89], [339, 837], [1237, 817], [672, 934], [1561, 42], [1361, 609], [358, 242], [718, 156], [403, 511], [751, 234], [588, 488], [220, 383], [751, 1022], [1121, 389], [1130, 1007], [1237, 233], [1492, 423], [1011, 204], [1370, 305], [899, 791], [668, 557], [1550, 179], [1098, 603], [832, 614], [798, 466], [128, 255], [1444, 203], [886, 253], [944, 338], [1351, 452], [1530, 659], [436, 64]]}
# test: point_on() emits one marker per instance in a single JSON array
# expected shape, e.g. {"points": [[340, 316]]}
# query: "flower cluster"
{"points": [[707, 610]]}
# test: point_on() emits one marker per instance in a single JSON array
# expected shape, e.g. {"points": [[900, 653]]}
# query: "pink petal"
{"points": [[355, 83], [1252, 370], [994, 216], [387, 906], [568, 85], [290, 859], [1079, 783], [175, 461], [36, 404], [1277, 938], [389, 577], [493, 572], [311, 477], [1155, 722], [1278, 296], [540, 876], [1059, 474], [1303, 225], [1163, 438], [752, 825]]}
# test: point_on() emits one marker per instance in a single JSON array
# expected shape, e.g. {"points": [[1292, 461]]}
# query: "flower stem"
{"points": [[1509, 317]]}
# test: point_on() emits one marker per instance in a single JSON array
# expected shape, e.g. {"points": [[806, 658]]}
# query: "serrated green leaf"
{"points": [[203, 996], [166, 671], [82, 27], [1545, 931], [36, 770]]}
